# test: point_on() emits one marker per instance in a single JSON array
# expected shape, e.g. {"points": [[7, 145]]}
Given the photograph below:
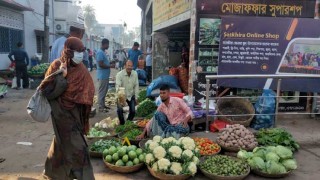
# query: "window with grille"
{"points": [[40, 40], [9, 39]]}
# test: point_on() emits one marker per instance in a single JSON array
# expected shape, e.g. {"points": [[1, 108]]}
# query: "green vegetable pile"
{"points": [[270, 159], [124, 155], [146, 108], [132, 134], [93, 132], [101, 145], [142, 95], [276, 136], [224, 166], [128, 125], [39, 69]]}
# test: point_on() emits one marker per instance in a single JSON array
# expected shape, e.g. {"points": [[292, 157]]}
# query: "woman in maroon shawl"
{"points": [[70, 95]]}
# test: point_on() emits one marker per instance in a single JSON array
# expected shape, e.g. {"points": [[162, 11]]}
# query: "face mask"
{"points": [[77, 57]]}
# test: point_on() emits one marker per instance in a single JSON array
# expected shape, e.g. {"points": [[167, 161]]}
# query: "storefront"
{"points": [[223, 30], [171, 35], [11, 29]]}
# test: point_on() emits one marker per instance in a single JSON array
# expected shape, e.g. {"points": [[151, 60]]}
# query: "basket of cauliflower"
{"points": [[170, 158]]}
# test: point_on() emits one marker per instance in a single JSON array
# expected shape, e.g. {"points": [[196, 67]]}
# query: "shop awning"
{"points": [[14, 5], [142, 4]]}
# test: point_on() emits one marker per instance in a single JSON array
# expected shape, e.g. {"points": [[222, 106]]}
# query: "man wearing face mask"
{"points": [[171, 118], [103, 74]]}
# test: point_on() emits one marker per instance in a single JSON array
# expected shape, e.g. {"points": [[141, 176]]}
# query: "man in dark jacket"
{"points": [[21, 60]]}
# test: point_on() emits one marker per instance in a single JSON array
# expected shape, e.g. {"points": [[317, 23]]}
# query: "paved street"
{"points": [[27, 162]]}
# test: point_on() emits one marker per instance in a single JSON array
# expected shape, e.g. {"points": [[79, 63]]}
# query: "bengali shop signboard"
{"points": [[164, 10], [265, 45], [271, 8]]}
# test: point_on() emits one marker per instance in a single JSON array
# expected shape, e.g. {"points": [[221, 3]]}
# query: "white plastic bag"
{"points": [[39, 108], [14, 83]]}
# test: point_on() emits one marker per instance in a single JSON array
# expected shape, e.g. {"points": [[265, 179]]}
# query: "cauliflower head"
{"points": [[176, 168], [175, 151], [163, 164], [192, 168], [157, 139], [188, 143], [159, 152], [153, 145], [195, 159], [149, 158], [155, 167], [188, 153], [172, 139]]}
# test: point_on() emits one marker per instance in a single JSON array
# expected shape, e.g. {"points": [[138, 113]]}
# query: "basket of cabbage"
{"points": [[270, 161], [170, 158]]}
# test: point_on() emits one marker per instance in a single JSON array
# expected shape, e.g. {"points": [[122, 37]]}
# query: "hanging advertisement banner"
{"points": [[270, 8], [264, 45]]}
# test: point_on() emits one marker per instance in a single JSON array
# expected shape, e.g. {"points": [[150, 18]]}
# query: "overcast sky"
{"points": [[116, 11]]}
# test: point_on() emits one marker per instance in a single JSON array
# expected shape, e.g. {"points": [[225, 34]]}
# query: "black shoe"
{"points": [[108, 108]]}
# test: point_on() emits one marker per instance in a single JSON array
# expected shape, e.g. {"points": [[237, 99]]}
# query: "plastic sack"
{"points": [[169, 80], [14, 83], [142, 74], [156, 92], [39, 108], [142, 82], [265, 109]]}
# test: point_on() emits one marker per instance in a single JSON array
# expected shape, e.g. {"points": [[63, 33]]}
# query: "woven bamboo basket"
{"points": [[36, 75], [123, 169], [234, 149], [142, 143], [132, 141], [113, 134], [218, 177], [95, 154], [212, 154], [163, 176], [262, 174], [234, 106]]}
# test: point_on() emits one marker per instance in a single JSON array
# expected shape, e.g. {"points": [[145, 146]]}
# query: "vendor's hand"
{"points": [[141, 136], [184, 123], [63, 67]]}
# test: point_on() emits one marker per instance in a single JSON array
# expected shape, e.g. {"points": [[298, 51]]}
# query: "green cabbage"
{"points": [[283, 152], [259, 152], [257, 163], [290, 164], [271, 156], [271, 148], [243, 154], [275, 168]]}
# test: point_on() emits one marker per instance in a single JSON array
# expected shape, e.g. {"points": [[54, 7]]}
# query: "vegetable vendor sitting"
{"points": [[171, 118]]}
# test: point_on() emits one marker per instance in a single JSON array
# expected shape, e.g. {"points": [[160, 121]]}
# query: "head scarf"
{"points": [[80, 88]]}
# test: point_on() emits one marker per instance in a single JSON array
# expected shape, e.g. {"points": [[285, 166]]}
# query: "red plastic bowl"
{"points": [[179, 95]]}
